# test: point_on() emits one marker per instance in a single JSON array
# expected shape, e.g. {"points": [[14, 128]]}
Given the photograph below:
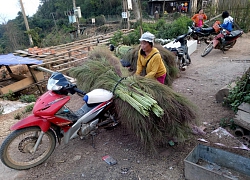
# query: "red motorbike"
{"points": [[226, 42], [33, 139]]}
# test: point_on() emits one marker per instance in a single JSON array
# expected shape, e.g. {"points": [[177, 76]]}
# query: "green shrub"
{"points": [[27, 98], [225, 122], [161, 29], [176, 15], [240, 93], [17, 116], [9, 96], [28, 108], [100, 20], [117, 38], [176, 28], [131, 38]]}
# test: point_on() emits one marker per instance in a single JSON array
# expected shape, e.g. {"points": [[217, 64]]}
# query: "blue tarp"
{"points": [[10, 59]]}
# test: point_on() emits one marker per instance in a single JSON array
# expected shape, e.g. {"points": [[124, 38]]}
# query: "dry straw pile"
{"points": [[152, 111]]}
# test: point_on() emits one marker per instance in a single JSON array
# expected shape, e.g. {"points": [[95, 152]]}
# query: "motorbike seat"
{"points": [[85, 108], [171, 49], [235, 33], [180, 37], [125, 63], [207, 30]]}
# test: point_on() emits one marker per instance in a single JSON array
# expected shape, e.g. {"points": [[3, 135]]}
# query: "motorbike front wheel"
{"points": [[17, 149], [207, 50], [188, 59]]}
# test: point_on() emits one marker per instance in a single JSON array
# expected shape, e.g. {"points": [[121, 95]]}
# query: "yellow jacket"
{"points": [[155, 67]]}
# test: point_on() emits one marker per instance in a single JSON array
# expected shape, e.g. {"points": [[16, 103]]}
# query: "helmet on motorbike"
{"points": [[225, 14], [147, 36]]}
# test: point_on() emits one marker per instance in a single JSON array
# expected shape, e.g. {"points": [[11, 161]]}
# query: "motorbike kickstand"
{"points": [[223, 50], [93, 134]]}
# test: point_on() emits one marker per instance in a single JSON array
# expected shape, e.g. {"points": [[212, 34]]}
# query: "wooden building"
{"points": [[171, 6]]}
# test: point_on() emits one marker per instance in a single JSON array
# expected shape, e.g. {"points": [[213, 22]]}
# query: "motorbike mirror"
{"points": [[111, 47], [189, 30]]}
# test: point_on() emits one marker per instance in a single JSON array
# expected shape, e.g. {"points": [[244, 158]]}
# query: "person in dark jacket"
{"points": [[227, 21]]}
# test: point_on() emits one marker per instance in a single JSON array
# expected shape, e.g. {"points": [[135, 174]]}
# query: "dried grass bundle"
{"points": [[103, 70], [167, 56]]}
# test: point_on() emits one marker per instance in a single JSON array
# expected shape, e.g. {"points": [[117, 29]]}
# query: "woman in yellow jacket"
{"points": [[150, 58], [199, 18]]}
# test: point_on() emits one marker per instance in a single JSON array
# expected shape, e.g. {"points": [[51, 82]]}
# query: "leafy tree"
{"points": [[161, 29], [52, 21], [35, 36]]}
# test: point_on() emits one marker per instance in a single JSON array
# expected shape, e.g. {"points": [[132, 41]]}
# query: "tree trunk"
{"points": [[11, 32], [136, 9], [163, 7]]}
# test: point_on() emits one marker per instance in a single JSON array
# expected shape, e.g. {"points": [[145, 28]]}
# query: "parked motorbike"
{"points": [[204, 34], [33, 139], [225, 43], [182, 57]]}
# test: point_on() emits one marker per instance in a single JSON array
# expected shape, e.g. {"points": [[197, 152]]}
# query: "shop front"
{"points": [[169, 6]]}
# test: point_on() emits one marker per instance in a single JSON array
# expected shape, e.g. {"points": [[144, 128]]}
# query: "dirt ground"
{"points": [[82, 159]]}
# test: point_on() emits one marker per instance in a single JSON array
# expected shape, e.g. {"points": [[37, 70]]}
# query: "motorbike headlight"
{"points": [[52, 85]]}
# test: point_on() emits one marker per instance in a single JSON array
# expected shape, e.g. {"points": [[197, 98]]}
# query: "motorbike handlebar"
{"points": [[79, 91]]}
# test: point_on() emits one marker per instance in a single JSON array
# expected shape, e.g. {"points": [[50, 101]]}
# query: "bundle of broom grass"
{"points": [[151, 110]]}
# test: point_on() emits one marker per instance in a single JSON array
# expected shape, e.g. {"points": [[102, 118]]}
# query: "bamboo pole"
{"points": [[26, 22]]}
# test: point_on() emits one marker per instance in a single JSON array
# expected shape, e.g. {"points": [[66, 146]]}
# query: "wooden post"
{"points": [[141, 29], [77, 19], [26, 22], [35, 79]]}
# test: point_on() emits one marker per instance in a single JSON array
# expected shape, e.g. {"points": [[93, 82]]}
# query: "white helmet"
{"points": [[147, 36]]}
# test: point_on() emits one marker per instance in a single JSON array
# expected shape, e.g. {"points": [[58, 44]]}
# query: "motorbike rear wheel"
{"points": [[207, 50], [229, 46], [16, 149], [109, 120]]}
